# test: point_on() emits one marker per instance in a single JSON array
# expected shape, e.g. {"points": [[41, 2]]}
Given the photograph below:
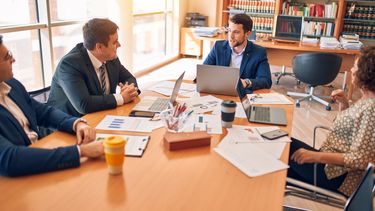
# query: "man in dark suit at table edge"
{"points": [[86, 78], [21, 116], [238, 52]]}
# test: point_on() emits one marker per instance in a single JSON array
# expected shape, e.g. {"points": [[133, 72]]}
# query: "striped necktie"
{"points": [[103, 82]]}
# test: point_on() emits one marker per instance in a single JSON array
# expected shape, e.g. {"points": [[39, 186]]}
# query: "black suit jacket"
{"points": [[15, 157], [75, 87]]}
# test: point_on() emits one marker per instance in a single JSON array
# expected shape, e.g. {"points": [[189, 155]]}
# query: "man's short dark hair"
{"points": [[1, 39], [245, 20], [97, 30]]}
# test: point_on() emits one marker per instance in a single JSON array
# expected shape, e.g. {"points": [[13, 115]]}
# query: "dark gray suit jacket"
{"points": [[75, 87]]}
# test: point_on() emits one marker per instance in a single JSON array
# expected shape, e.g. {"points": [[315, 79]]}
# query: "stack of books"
{"points": [[207, 31], [350, 41]]}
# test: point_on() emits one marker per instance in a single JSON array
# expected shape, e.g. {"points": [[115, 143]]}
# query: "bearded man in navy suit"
{"points": [[21, 116], [238, 52]]}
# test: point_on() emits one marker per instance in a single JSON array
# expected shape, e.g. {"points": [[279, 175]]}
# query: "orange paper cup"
{"points": [[114, 149]]}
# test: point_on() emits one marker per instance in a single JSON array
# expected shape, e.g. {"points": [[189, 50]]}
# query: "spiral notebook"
{"points": [[135, 145]]}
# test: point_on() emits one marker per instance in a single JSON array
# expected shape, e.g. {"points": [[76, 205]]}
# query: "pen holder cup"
{"points": [[172, 122]]}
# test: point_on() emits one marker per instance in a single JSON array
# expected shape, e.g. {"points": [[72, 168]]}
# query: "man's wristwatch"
{"points": [[248, 83]]}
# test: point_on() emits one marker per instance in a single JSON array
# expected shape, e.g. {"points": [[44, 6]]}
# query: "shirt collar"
{"points": [[243, 50], [4, 88], [95, 62]]}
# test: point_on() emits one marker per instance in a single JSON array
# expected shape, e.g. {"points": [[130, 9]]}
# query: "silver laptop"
{"points": [[158, 104], [266, 115], [217, 79]]}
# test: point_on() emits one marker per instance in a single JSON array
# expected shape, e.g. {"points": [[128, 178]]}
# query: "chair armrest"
{"points": [[314, 141], [315, 130], [315, 189]]}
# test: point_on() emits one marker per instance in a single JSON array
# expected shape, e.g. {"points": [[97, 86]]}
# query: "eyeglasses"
{"points": [[8, 56]]}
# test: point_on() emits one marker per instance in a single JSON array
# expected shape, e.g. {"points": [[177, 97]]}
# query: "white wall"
{"points": [[206, 7]]}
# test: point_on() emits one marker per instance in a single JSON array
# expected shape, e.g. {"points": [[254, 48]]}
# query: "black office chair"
{"points": [[361, 199], [41, 95], [315, 69]]}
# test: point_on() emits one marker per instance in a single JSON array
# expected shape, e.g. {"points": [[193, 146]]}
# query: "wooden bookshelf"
{"points": [[339, 21]]}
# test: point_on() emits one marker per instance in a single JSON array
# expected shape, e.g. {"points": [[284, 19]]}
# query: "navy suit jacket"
{"points": [[254, 64], [15, 157], [76, 89]]}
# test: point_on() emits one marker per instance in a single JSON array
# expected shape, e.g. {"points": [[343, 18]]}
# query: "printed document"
{"points": [[269, 98], [166, 88], [203, 122], [135, 145], [125, 123], [250, 159]]}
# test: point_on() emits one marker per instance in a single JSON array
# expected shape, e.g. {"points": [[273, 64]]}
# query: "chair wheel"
{"points": [[277, 82], [298, 82], [298, 105], [328, 108]]}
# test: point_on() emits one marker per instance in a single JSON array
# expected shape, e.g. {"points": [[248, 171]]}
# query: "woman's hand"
{"points": [[302, 156]]}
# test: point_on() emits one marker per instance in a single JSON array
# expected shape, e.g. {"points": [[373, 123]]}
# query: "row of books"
{"points": [[310, 10], [315, 28], [262, 23], [364, 30], [355, 11], [260, 6]]}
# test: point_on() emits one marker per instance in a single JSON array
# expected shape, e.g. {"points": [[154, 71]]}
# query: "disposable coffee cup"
{"points": [[228, 111], [114, 149]]}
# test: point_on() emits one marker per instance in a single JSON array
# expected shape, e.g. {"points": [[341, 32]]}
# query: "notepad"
{"points": [[135, 146]]}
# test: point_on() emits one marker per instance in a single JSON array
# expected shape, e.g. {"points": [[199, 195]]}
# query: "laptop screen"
{"points": [[176, 88], [244, 99], [288, 27]]}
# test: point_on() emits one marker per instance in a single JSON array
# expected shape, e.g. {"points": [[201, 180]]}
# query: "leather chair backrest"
{"points": [[316, 68]]}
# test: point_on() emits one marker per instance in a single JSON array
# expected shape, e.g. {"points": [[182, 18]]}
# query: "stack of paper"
{"points": [[308, 40], [329, 42], [249, 152], [350, 42], [207, 31], [270, 98]]}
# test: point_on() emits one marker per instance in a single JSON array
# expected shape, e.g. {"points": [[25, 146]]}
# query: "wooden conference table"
{"points": [[192, 179]]}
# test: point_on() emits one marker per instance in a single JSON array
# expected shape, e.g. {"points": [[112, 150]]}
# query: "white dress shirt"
{"points": [[17, 113], [236, 59], [97, 64]]}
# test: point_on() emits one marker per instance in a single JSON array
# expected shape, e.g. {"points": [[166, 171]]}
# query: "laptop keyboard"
{"points": [[160, 104], [262, 114]]}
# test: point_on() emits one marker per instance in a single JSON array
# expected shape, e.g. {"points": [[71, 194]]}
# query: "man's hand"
{"points": [[92, 150], [128, 92], [85, 133], [339, 96], [302, 156]]}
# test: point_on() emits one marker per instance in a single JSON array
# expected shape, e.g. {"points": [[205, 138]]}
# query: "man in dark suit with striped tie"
{"points": [[86, 78]]}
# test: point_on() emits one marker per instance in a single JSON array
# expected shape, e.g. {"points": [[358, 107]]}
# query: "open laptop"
{"points": [[266, 115], [158, 104], [217, 79]]}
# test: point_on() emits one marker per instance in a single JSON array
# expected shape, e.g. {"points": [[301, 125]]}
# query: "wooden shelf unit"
{"points": [[339, 20]]}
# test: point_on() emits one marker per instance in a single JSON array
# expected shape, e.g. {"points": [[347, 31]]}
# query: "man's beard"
{"points": [[236, 44]]}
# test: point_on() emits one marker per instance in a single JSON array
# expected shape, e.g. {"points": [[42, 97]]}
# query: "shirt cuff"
{"points": [[79, 151], [119, 99], [249, 83], [76, 122]]}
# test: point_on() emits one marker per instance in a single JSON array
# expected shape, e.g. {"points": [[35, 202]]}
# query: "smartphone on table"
{"points": [[135, 113], [275, 134]]}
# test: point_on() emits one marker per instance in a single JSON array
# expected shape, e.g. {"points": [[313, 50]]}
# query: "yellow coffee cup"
{"points": [[114, 149]]}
